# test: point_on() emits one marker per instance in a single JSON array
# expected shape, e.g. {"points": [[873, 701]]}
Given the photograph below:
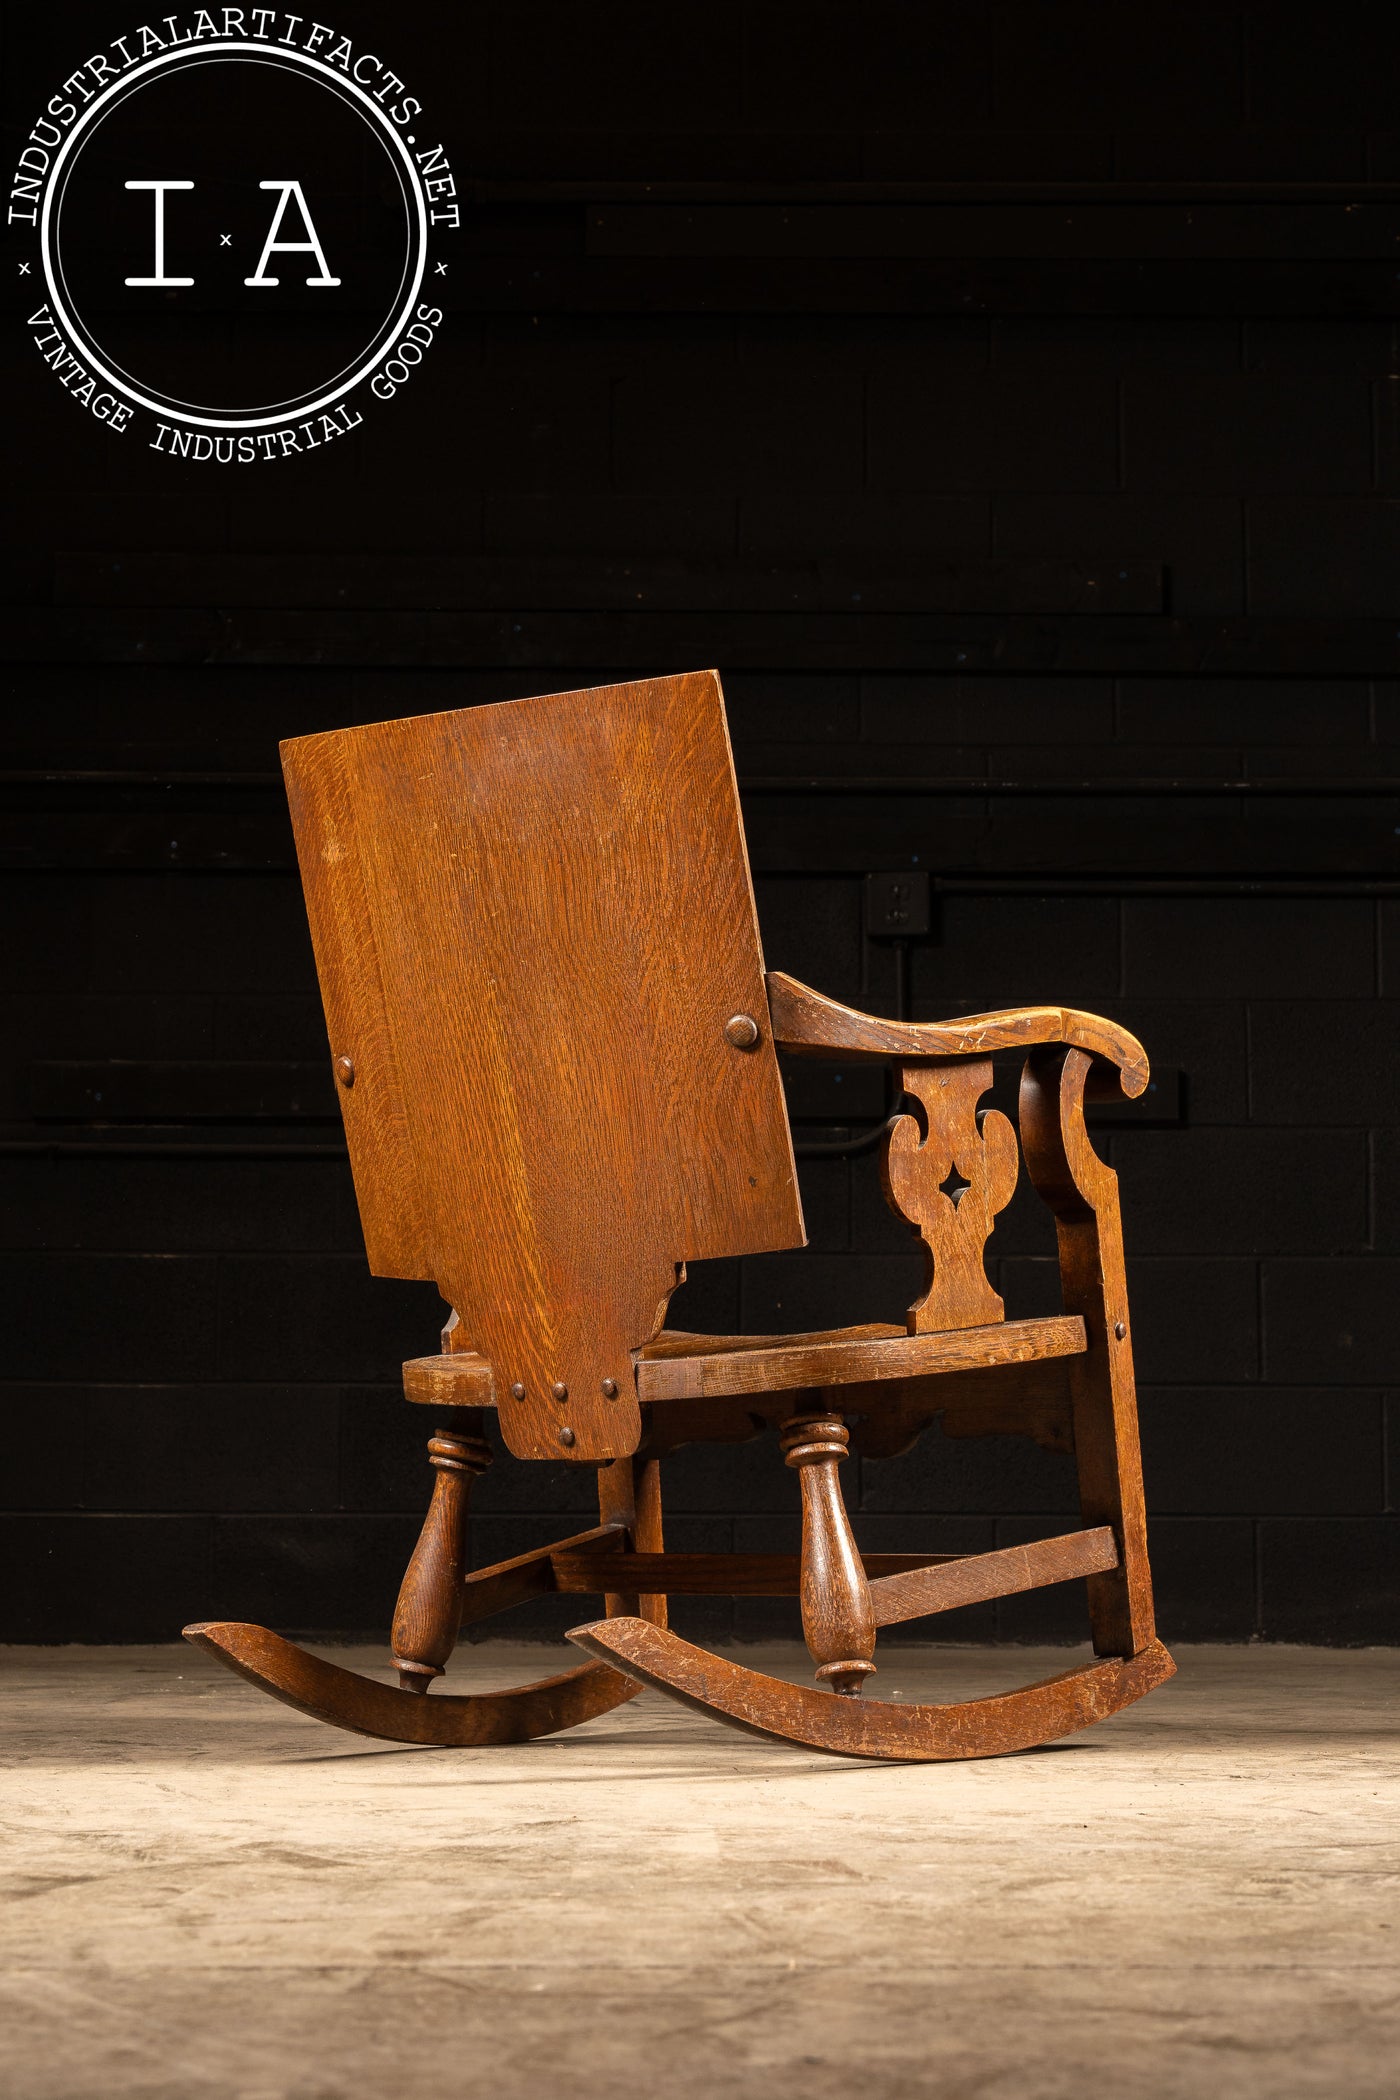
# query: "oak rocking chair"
{"points": [[557, 1058]]}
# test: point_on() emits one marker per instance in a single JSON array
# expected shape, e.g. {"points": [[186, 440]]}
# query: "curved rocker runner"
{"points": [[791, 1713], [557, 1056], [347, 1700]]}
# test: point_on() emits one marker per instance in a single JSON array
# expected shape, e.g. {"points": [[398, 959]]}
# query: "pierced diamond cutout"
{"points": [[953, 1186]]}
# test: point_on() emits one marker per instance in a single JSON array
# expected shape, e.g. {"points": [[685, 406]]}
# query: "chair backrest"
{"points": [[532, 923]]}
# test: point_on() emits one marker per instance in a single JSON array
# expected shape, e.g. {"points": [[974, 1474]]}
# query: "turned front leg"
{"points": [[429, 1609], [838, 1618]]}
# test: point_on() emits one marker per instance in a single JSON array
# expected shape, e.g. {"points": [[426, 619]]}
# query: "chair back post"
{"points": [[1082, 1191]]}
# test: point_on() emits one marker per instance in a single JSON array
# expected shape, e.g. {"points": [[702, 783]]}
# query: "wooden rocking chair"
{"points": [[557, 1058]]}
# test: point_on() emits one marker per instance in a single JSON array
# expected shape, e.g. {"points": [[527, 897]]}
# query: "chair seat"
{"points": [[709, 1366]]}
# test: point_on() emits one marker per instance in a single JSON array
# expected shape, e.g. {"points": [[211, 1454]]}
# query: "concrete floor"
{"points": [[211, 1898]]}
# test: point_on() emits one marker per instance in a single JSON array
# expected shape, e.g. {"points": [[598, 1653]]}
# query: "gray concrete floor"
{"points": [[211, 1898]]}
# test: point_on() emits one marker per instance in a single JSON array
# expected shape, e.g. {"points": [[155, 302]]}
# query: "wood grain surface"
{"points": [[1083, 1193], [455, 1378], [1020, 1399], [838, 1620], [808, 1023], [920, 1168], [976, 1577], [793, 1713], [429, 1608], [532, 922], [834, 1360], [326, 1692], [680, 1366]]}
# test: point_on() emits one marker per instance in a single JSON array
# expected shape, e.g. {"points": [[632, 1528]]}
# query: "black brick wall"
{"points": [[1005, 398]]}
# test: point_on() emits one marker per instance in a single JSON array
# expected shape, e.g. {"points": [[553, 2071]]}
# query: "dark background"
{"points": [[1004, 397]]}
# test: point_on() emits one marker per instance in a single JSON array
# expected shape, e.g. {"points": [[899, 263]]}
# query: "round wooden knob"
{"points": [[345, 1070], [741, 1030]]}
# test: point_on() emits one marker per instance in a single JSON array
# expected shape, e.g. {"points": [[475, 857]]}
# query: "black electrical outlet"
{"points": [[896, 906]]}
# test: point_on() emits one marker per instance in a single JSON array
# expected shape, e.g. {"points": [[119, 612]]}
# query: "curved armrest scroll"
{"points": [[808, 1023]]}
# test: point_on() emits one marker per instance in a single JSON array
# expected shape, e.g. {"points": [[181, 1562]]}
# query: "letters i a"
{"points": [[271, 246]]}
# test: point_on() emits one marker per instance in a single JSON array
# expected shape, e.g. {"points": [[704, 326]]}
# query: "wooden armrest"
{"points": [[810, 1024]]}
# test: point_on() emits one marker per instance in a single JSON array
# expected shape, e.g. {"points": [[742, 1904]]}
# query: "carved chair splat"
{"points": [[556, 1051], [950, 1180]]}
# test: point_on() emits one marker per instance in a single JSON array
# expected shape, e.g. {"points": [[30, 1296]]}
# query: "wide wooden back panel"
{"points": [[532, 922]]}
